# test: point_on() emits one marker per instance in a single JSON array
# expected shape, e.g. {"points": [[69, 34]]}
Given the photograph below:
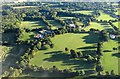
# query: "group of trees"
{"points": [[79, 54], [54, 71], [103, 36]]}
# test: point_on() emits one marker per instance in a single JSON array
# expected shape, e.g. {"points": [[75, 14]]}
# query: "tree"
{"points": [[51, 45], [99, 49], [66, 49], [82, 72], [99, 68], [107, 73], [44, 47], [112, 72], [54, 69], [73, 53], [39, 45], [80, 54], [90, 58]]}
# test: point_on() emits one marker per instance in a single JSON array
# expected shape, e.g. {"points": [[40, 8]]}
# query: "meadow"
{"points": [[80, 42], [83, 12], [99, 26], [104, 16], [58, 57]]}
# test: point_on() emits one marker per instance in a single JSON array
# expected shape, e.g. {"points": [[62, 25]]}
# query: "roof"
{"points": [[72, 25]]}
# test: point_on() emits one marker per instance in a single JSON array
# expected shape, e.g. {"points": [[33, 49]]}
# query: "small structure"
{"points": [[46, 32], [112, 36], [72, 25], [39, 36]]}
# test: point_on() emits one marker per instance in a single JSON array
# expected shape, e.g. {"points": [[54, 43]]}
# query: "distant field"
{"points": [[118, 11], [83, 12], [98, 26], [19, 7], [65, 17], [117, 24], [32, 24], [104, 16], [55, 23], [27, 36], [95, 26]]}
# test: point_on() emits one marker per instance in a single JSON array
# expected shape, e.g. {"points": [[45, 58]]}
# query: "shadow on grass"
{"points": [[9, 38], [87, 47], [89, 52], [67, 61], [53, 52], [116, 54], [91, 38], [107, 50], [13, 57], [104, 24], [109, 29]]}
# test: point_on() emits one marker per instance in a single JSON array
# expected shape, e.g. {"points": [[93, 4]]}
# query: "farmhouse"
{"points": [[39, 36], [72, 25], [46, 32]]}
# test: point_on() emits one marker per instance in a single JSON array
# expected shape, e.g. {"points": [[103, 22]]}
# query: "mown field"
{"points": [[100, 26], [83, 12], [117, 24], [80, 42], [32, 24], [20, 7], [104, 16], [58, 57], [55, 24]]}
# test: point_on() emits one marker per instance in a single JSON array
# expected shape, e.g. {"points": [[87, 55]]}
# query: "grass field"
{"points": [[117, 24], [95, 26], [55, 24], [110, 59], [82, 42], [100, 26], [65, 17], [104, 16], [83, 12], [58, 57], [27, 36], [32, 24], [20, 7]]}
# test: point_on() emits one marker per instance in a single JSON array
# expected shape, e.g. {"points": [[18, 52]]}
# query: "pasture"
{"points": [[104, 16]]}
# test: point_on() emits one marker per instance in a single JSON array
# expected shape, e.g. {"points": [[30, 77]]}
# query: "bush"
{"points": [[44, 47]]}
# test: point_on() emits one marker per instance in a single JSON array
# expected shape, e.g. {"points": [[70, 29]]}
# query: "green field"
{"points": [[110, 59], [21, 7], [118, 11], [58, 57], [117, 24], [27, 36], [32, 24], [83, 12], [65, 17], [55, 24], [100, 26], [80, 42], [104, 16]]}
